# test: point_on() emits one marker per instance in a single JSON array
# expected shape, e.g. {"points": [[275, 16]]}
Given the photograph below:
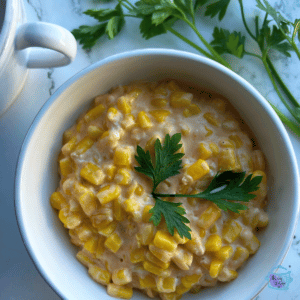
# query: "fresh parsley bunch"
{"points": [[223, 189]]}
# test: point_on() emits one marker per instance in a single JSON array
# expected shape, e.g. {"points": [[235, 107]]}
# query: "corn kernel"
{"points": [[113, 243], [237, 140], [147, 282], [104, 134], [240, 256], [57, 200], [224, 253], [181, 289], [94, 113], [151, 142], [128, 122], [100, 248], [84, 259], [94, 132], [164, 241], [208, 131], [198, 169], [146, 233], [119, 214], [227, 275], [139, 190], [258, 160], [137, 255], [227, 159], [191, 110], [213, 243], [172, 86], [122, 276], [195, 244], [183, 258], [69, 146], [146, 214], [109, 193], [159, 102], [69, 219], [214, 148], [152, 268], [160, 114], [209, 216], [113, 114], [219, 104], [109, 229], [231, 231], [153, 259], [180, 99], [123, 176], [189, 280], [83, 232], [211, 119], [85, 144], [215, 268], [166, 285], [92, 174], [262, 191], [91, 244], [123, 156], [103, 218], [88, 203], [143, 120], [131, 205], [185, 130], [68, 134], [124, 105], [204, 151], [110, 171], [202, 232], [179, 239], [66, 166], [226, 143], [251, 244], [161, 254], [119, 291], [100, 275]]}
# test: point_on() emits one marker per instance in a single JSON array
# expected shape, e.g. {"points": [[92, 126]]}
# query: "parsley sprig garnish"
{"points": [[272, 33], [223, 189]]}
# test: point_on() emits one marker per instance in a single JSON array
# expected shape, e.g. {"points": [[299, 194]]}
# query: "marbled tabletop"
{"points": [[18, 277]]}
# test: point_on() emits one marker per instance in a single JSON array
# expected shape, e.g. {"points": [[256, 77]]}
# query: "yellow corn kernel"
{"points": [[227, 275], [85, 144], [198, 169], [189, 280], [128, 122], [83, 232], [224, 253], [161, 254], [214, 148], [258, 160], [139, 190], [164, 241], [181, 289], [161, 90], [79, 125], [179, 239], [151, 142], [122, 276], [68, 134], [110, 171], [153, 259], [109, 229], [66, 166], [100, 275], [213, 229], [92, 174], [231, 231], [100, 247], [263, 220], [185, 130], [123, 156], [209, 216], [123, 176], [119, 291], [137, 255], [109, 193], [215, 268], [172, 86], [211, 119], [262, 191], [241, 254], [113, 243], [208, 131], [159, 114], [195, 244], [113, 114], [124, 105], [252, 244], [94, 132], [146, 233], [202, 232], [226, 143], [191, 110], [204, 151], [227, 159], [103, 218], [180, 99], [135, 93], [183, 258], [146, 214], [213, 243], [57, 200], [131, 205], [88, 202], [94, 113], [104, 134], [69, 146], [91, 244], [170, 296], [84, 259], [143, 120], [148, 282], [219, 104], [237, 140], [159, 102], [154, 269], [119, 214], [69, 219], [166, 285]]}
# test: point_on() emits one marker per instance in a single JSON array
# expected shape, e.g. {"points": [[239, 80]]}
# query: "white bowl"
{"points": [[48, 242]]}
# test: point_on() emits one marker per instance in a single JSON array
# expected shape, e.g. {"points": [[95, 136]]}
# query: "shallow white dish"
{"points": [[36, 178]]}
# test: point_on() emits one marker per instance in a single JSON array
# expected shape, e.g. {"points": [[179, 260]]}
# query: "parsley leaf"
{"points": [[217, 8], [173, 214], [226, 42]]}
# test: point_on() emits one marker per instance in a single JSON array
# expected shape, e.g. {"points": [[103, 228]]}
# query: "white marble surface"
{"points": [[18, 277]]}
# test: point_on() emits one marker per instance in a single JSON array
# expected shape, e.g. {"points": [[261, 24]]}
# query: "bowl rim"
{"points": [[145, 52]]}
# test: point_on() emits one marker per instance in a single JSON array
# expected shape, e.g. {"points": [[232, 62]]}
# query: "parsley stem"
{"points": [[253, 54], [244, 20], [173, 195], [176, 33]]}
